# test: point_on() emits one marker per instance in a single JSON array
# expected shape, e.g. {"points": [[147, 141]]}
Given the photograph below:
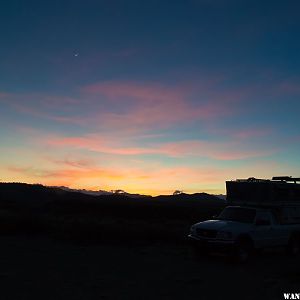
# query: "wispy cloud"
{"points": [[156, 106], [247, 133], [4, 95], [133, 89], [290, 86], [81, 163], [41, 114], [124, 105], [45, 107], [228, 150], [65, 174]]}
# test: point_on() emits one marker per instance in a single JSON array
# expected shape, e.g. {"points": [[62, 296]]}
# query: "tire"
{"points": [[293, 247], [243, 250], [197, 250]]}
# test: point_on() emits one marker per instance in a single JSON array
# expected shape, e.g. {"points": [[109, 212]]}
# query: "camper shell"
{"points": [[280, 194]]}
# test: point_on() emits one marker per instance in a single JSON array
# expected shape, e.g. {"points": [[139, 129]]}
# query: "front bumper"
{"points": [[212, 244]]}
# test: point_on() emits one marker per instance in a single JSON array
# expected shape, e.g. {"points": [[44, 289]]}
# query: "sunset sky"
{"points": [[149, 96]]}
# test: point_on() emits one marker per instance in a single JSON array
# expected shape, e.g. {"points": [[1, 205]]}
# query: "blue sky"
{"points": [[149, 96]]}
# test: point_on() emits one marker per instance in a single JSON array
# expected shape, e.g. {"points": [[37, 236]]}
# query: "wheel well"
{"points": [[296, 235], [245, 238]]}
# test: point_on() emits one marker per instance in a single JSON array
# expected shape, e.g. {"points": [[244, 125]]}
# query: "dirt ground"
{"points": [[41, 268]]}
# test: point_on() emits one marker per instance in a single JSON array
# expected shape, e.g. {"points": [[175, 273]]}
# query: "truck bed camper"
{"points": [[261, 213], [280, 194]]}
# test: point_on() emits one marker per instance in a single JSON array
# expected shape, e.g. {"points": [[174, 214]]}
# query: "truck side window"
{"points": [[263, 219]]}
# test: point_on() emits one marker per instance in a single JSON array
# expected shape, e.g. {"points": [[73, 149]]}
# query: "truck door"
{"points": [[264, 231], [279, 232]]}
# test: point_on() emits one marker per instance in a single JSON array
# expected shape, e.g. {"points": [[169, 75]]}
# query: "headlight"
{"points": [[224, 235], [193, 230]]}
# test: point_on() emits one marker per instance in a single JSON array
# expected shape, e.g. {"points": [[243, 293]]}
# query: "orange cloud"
{"points": [[150, 181], [67, 174]]}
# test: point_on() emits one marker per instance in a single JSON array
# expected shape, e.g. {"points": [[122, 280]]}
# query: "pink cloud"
{"points": [[291, 86], [242, 133], [251, 133], [131, 107], [140, 91], [125, 106], [4, 95], [93, 143], [151, 106], [229, 150]]}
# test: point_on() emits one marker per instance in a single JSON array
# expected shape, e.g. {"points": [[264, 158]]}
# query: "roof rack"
{"points": [[286, 178], [253, 179]]}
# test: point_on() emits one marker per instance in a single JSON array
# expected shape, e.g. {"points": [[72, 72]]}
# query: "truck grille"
{"points": [[207, 233]]}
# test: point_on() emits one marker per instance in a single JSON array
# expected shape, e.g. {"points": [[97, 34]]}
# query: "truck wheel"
{"points": [[243, 251], [293, 247], [197, 250]]}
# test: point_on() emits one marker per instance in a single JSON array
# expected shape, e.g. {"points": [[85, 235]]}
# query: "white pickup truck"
{"points": [[244, 228]]}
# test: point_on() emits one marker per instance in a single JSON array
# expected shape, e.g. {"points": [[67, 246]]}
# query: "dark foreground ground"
{"points": [[42, 268]]}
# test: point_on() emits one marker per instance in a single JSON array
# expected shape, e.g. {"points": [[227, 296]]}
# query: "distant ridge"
{"points": [[14, 187], [38, 194], [100, 192], [65, 213]]}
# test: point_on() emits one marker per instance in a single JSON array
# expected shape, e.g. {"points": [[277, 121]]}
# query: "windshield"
{"points": [[238, 214]]}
